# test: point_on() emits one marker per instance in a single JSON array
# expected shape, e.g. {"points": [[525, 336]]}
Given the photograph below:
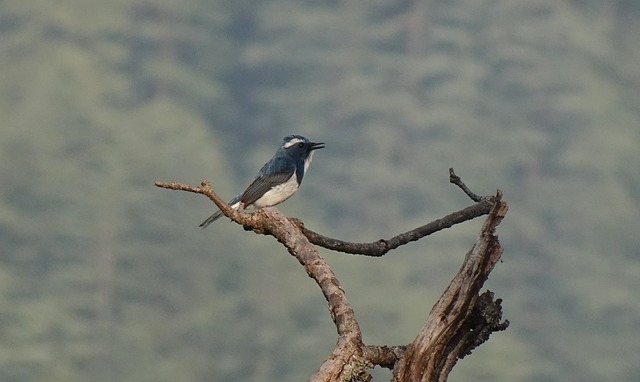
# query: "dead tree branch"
{"points": [[460, 321], [455, 179], [346, 362], [383, 246]]}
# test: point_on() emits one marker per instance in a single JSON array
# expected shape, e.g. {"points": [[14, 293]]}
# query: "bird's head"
{"points": [[299, 146]]}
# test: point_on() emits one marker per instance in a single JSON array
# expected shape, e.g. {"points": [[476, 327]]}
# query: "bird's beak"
{"points": [[317, 145]]}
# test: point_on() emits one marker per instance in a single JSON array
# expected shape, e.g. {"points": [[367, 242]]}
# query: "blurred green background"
{"points": [[105, 278]]}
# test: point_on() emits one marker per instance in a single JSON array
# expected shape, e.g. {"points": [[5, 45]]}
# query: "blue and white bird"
{"points": [[278, 179]]}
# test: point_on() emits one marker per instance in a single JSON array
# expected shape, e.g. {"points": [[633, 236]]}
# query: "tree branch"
{"points": [[206, 190], [383, 246], [384, 356], [346, 362], [455, 179], [460, 320]]}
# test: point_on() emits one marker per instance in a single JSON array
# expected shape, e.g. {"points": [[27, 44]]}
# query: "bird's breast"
{"points": [[278, 194]]}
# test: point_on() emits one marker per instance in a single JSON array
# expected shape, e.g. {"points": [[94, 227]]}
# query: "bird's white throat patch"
{"points": [[307, 162]]}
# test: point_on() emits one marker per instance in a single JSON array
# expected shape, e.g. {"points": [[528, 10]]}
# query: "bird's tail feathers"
{"points": [[234, 203], [211, 219]]}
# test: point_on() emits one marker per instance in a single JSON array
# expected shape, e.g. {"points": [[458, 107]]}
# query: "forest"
{"points": [[104, 277]]}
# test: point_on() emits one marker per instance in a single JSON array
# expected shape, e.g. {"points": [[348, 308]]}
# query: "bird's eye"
{"points": [[301, 144]]}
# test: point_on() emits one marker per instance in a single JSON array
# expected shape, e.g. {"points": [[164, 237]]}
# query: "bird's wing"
{"points": [[266, 180]]}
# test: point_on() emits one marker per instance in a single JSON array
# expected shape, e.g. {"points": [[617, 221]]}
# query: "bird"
{"points": [[278, 179]]}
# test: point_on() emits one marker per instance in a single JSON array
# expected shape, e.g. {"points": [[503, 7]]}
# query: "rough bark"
{"points": [[461, 319]]}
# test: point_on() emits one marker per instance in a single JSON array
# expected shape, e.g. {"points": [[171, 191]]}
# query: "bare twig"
{"points": [[382, 246], [206, 190], [455, 179]]}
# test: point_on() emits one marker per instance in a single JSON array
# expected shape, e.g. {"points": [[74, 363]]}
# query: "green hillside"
{"points": [[103, 277]]}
